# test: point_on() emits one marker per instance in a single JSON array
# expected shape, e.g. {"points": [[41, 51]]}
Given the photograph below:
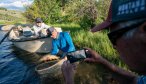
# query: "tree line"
{"points": [[86, 13]]}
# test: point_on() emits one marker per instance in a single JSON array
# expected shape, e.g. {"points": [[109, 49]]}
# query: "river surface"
{"points": [[18, 67], [14, 70]]}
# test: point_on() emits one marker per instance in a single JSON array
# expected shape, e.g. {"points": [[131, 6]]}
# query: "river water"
{"points": [[18, 67], [14, 70]]}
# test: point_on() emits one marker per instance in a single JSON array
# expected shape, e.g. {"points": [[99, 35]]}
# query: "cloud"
{"points": [[15, 4]]}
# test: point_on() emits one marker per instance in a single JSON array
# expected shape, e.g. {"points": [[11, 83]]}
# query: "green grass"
{"points": [[11, 17], [1, 22]]}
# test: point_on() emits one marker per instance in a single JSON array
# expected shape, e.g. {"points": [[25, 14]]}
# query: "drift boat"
{"points": [[32, 43]]}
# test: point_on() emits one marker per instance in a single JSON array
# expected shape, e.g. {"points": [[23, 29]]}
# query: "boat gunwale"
{"points": [[30, 39]]}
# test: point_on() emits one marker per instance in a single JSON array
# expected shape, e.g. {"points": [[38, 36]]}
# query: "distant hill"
{"points": [[1, 8], [11, 16]]}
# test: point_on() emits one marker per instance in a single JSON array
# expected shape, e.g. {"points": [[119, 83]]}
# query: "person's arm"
{"points": [[55, 49], [69, 42], [35, 30], [68, 72], [46, 26], [123, 76]]}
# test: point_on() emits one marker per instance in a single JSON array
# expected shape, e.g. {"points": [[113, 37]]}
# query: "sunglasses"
{"points": [[115, 35]]}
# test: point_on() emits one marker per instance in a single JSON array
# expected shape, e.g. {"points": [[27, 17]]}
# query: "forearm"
{"points": [[123, 76], [68, 72], [69, 79], [55, 49], [71, 47], [61, 53], [58, 53]]}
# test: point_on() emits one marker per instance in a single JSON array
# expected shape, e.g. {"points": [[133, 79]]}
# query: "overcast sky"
{"points": [[15, 4]]}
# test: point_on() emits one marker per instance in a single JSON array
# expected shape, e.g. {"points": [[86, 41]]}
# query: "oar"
{"points": [[6, 35]]}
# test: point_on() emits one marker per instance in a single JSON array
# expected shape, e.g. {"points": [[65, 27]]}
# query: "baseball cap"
{"points": [[123, 10], [38, 20], [50, 30]]}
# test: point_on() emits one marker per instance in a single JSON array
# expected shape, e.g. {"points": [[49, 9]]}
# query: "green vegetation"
{"points": [[11, 17], [83, 12], [1, 8], [77, 16], [97, 41], [48, 10]]}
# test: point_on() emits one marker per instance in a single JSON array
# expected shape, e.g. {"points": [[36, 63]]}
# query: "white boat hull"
{"points": [[32, 44], [43, 45]]}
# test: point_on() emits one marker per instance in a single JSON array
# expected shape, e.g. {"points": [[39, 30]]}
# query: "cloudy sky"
{"points": [[15, 4]]}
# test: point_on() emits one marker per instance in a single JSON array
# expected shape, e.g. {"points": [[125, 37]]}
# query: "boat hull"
{"points": [[43, 45], [32, 43]]}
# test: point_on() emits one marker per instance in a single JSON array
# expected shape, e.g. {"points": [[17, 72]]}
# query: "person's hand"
{"points": [[93, 56], [48, 58]]}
